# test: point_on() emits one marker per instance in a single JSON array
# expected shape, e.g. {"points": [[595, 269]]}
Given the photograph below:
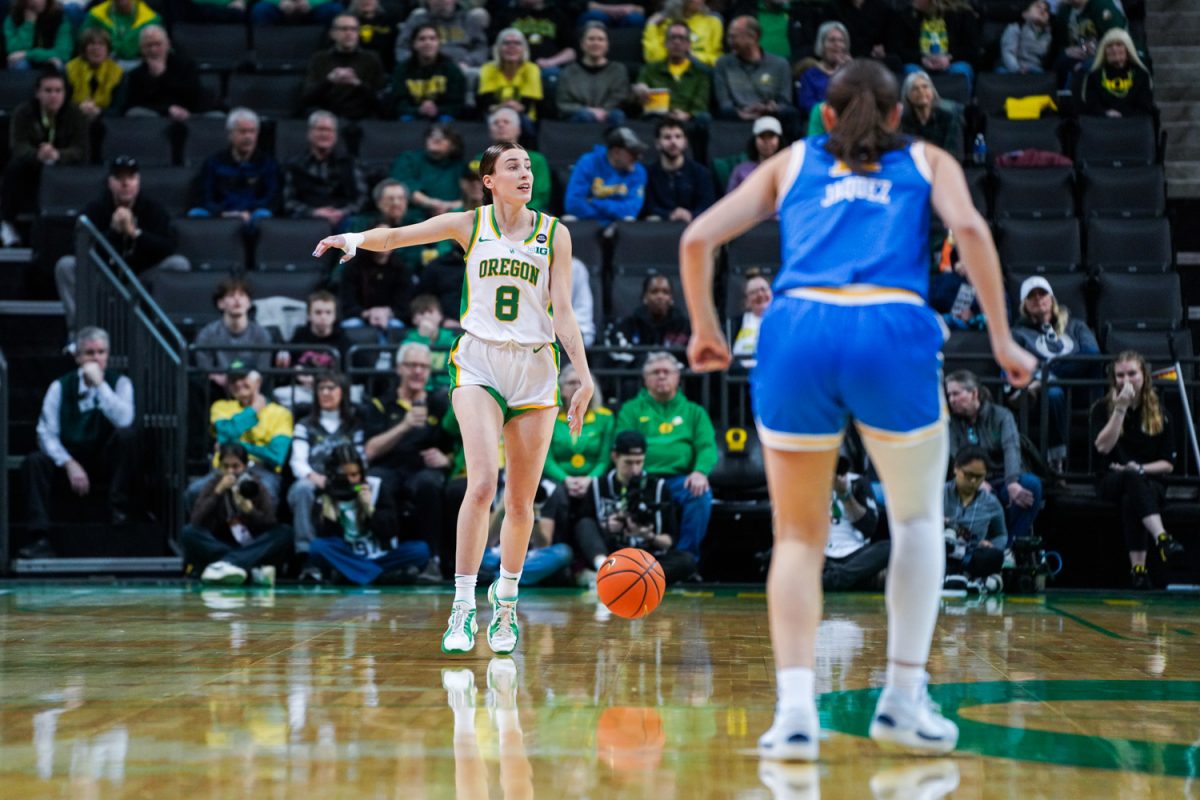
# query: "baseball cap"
{"points": [[767, 125], [122, 164], [236, 370], [630, 443], [1036, 282], [624, 137]]}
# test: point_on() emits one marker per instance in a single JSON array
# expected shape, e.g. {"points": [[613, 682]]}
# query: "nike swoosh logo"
{"points": [[486, 240]]}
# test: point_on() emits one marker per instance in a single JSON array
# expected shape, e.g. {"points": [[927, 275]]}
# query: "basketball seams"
{"points": [[644, 569]]}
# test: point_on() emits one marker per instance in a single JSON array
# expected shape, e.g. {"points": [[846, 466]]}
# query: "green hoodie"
{"points": [[584, 455], [679, 434]]}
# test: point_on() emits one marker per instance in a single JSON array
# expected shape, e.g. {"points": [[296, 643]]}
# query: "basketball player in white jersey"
{"points": [[503, 369]]}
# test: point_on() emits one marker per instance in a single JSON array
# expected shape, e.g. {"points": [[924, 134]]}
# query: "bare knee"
{"points": [[480, 494]]}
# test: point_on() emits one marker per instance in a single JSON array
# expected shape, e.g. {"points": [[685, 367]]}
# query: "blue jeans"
{"points": [[335, 552], [615, 116], [1019, 521], [540, 563], [694, 515]]}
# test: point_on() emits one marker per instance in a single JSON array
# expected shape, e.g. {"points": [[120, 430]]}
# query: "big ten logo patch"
{"points": [[735, 440]]}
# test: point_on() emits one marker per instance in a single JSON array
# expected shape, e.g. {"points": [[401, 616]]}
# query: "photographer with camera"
{"points": [[232, 531], [976, 534], [628, 508], [852, 560], [357, 526]]}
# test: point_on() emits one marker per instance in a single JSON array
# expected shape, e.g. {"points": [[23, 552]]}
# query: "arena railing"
{"points": [[6, 487], [147, 347]]}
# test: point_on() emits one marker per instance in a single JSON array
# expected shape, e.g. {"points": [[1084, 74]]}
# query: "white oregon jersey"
{"points": [[506, 293]]}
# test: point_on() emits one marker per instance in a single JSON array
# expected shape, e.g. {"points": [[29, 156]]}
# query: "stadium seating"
{"points": [[270, 95], [144, 139], [1119, 141], [1047, 193], [993, 89], [286, 245], [1138, 297], [1006, 136], [1044, 245], [1071, 290], [1139, 191], [212, 245], [1130, 245], [643, 249]]}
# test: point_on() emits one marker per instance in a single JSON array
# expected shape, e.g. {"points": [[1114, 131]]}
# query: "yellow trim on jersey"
{"points": [[799, 442], [457, 370], [537, 223], [492, 219], [474, 236]]}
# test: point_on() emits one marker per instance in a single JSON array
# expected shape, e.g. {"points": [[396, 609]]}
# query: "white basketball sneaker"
{"points": [[918, 726], [793, 736], [503, 632], [460, 631]]}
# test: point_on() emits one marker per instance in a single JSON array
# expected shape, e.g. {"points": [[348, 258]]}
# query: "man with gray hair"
{"points": [[681, 444], [240, 181], [347, 78], [324, 183], [504, 125], [749, 82], [85, 437]]}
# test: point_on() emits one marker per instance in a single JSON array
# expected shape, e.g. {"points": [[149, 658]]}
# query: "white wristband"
{"points": [[353, 241]]}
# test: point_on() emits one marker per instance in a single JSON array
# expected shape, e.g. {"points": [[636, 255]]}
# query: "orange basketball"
{"points": [[631, 583]]}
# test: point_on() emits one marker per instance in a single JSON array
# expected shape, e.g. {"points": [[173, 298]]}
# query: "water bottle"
{"points": [[979, 153]]}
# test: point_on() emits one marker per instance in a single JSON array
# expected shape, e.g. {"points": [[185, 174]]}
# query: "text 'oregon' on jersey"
{"points": [[506, 293]]}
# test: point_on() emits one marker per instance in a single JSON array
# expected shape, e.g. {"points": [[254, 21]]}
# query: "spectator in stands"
{"points": [[976, 420], [324, 183], [247, 417], [681, 444], [757, 296], [327, 340], [347, 78], [1135, 451], [425, 313], [222, 338], [85, 433], [656, 322], [544, 559], [332, 423], [240, 181], [1118, 84], [358, 528], [510, 79], [614, 15], [750, 83], [429, 86], [462, 29], [1025, 45], [44, 131], [609, 183], [390, 199], [832, 50], [778, 19], [766, 139], [550, 30], [1048, 330], [707, 30], [937, 36], [309, 12], [927, 116], [686, 80], [445, 284], [123, 20], [852, 560], [36, 35], [1076, 28], [974, 518], [376, 31], [629, 506], [408, 447], [93, 75], [504, 125], [375, 291], [583, 301], [232, 532], [431, 175], [219, 11], [139, 229], [678, 188], [866, 24], [164, 84], [593, 89], [575, 460]]}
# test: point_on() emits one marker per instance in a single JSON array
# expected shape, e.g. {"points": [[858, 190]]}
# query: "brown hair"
{"points": [[863, 94], [322, 296], [230, 286], [487, 163], [1152, 416]]}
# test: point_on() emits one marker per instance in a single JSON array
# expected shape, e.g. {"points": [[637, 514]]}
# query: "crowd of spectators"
{"points": [[379, 473]]}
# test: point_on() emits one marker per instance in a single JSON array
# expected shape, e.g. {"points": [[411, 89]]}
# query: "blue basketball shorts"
{"points": [[820, 363]]}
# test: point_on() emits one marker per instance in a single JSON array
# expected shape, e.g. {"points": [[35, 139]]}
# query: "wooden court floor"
{"points": [[182, 693]]}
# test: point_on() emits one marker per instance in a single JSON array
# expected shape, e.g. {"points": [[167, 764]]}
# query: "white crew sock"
{"points": [[464, 588], [506, 587], [909, 681], [794, 686]]}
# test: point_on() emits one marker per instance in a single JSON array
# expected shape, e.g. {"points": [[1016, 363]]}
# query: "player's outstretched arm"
{"points": [[737, 212], [456, 226], [952, 201], [566, 327]]}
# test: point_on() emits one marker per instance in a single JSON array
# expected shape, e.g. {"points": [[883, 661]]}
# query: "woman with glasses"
{"points": [[974, 518], [511, 79], [333, 421]]}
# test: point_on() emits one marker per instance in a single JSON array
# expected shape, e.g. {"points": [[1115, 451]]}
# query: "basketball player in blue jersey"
{"points": [[849, 334], [503, 370]]}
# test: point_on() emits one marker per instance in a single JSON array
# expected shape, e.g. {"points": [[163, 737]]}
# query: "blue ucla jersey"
{"points": [[839, 228]]}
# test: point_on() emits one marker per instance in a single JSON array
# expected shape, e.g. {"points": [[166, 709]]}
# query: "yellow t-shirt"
{"points": [[708, 33], [525, 86]]}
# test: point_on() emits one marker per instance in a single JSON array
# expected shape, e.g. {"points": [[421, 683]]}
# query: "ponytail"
{"points": [[862, 94]]}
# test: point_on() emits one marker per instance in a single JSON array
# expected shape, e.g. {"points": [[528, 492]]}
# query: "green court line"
{"points": [[1085, 623], [1184, 631]]}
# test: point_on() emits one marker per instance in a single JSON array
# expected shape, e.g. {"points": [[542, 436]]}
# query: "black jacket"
{"points": [[352, 102], [179, 85], [962, 29], [639, 328], [156, 240], [690, 187]]}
